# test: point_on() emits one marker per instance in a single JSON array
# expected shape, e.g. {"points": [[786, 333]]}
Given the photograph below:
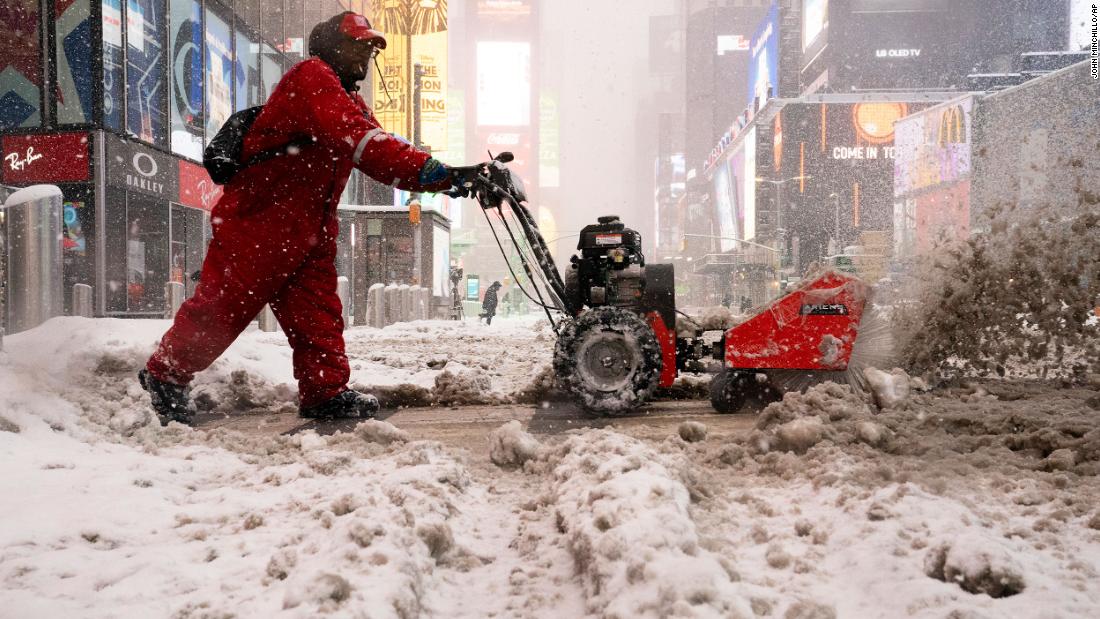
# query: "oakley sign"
{"points": [[142, 169]]}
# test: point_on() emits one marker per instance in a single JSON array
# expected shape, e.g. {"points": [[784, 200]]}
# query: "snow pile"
{"points": [[632, 538], [692, 431], [458, 384], [977, 565], [510, 446], [1016, 299], [889, 389], [825, 411]]}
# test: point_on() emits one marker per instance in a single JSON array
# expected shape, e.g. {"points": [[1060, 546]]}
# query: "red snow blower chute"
{"points": [[615, 316]]}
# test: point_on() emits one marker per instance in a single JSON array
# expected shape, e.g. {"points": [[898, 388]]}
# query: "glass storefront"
{"points": [[171, 73]]}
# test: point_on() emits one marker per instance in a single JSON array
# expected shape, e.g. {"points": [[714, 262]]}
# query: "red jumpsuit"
{"points": [[275, 233]]}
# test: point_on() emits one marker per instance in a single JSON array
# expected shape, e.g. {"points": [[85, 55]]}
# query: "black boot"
{"points": [[170, 402], [346, 404]]}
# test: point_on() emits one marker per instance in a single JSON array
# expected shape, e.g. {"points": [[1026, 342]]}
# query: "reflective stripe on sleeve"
{"points": [[363, 145]]}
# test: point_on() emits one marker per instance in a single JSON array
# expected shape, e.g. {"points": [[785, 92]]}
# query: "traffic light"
{"points": [[414, 213]]}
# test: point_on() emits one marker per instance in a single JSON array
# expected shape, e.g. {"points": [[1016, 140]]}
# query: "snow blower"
{"points": [[615, 316]]}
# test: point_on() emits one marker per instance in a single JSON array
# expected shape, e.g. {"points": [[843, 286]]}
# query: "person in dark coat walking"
{"points": [[275, 228], [489, 304]]}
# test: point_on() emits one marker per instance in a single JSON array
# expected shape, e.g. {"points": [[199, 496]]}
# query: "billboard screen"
{"points": [[933, 147], [503, 83], [905, 49], [724, 196], [146, 32], [764, 66], [846, 152], [21, 76], [185, 71], [219, 73], [735, 194], [74, 62], [815, 20]]}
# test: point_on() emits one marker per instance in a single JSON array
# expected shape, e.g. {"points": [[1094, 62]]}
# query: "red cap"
{"points": [[358, 27]]}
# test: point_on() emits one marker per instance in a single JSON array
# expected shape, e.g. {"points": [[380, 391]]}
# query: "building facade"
{"points": [[114, 102]]}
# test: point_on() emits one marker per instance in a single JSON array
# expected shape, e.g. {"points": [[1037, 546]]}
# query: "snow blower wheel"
{"points": [[609, 359], [730, 390]]}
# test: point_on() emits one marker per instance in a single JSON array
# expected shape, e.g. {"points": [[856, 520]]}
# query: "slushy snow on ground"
{"points": [[977, 500]]}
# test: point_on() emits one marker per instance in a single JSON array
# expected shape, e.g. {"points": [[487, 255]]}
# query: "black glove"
{"points": [[462, 179]]}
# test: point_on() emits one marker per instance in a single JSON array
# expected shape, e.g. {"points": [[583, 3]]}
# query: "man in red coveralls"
{"points": [[275, 228]]}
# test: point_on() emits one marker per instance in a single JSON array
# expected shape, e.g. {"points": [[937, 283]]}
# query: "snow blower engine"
{"points": [[615, 316]]}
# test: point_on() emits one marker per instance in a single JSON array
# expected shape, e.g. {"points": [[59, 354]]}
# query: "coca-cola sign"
{"points": [[196, 188], [53, 158]]}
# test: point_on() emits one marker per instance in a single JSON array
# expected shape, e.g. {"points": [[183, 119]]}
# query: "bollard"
{"points": [[33, 283], [343, 290], [267, 320], [406, 306], [173, 299], [82, 300], [392, 300], [376, 306], [413, 302]]}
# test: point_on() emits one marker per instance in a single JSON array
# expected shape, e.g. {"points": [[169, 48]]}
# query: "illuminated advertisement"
{"points": [[504, 8], [845, 153], [246, 71], [735, 194], [418, 31], [764, 66], [146, 31], [503, 83], [933, 147], [219, 73], [441, 261], [747, 213], [271, 69], [112, 63], [20, 65], [724, 210], [185, 99], [74, 62], [549, 170], [73, 240], [815, 20]]}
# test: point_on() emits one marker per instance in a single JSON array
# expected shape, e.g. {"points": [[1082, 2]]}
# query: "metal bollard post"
{"points": [[413, 300], [32, 222], [173, 299], [392, 310], [376, 306], [343, 290], [82, 300], [267, 320], [405, 292]]}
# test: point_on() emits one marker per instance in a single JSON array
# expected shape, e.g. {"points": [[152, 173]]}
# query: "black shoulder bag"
{"points": [[222, 157]]}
